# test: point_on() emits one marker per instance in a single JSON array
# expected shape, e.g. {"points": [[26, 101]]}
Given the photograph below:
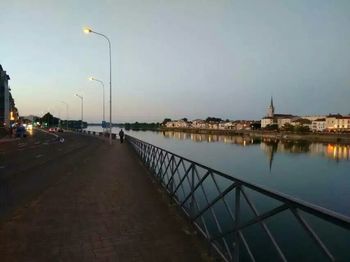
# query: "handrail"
{"points": [[180, 177]]}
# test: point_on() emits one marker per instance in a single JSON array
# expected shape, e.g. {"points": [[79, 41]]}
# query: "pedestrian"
{"points": [[11, 131], [121, 135]]}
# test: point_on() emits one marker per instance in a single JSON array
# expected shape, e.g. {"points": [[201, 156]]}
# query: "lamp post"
{"points": [[103, 89], [66, 113], [88, 31], [82, 110]]}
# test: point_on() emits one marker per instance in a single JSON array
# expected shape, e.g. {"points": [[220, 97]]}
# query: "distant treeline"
{"points": [[133, 126], [141, 126], [48, 120]]}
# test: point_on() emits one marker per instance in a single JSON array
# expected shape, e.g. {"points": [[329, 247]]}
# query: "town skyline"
{"points": [[223, 59]]}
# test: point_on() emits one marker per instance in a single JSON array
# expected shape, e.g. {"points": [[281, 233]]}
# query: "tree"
{"points": [[255, 126], [271, 127], [288, 127], [166, 120], [49, 119], [302, 129], [213, 119]]}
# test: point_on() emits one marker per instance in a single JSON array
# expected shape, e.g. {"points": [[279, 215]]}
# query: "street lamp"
{"points": [[88, 31], [82, 108], [66, 113], [103, 89]]}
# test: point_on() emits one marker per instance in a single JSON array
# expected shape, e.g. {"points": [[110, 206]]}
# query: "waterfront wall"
{"points": [[313, 137]]}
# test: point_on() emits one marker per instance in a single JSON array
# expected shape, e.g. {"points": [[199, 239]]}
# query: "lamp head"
{"points": [[91, 78], [87, 30]]}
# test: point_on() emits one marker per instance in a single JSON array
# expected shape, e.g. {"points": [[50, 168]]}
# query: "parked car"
{"points": [[21, 131], [60, 130], [52, 130]]}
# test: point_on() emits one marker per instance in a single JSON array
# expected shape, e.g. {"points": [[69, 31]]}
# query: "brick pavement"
{"points": [[105, 208]]}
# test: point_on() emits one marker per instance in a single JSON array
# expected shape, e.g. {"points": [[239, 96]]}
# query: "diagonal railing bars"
{"points": [[218, 205]]}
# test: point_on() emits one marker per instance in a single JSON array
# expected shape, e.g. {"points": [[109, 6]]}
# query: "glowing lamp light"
{"points": [[87, 30], [91, 78]]}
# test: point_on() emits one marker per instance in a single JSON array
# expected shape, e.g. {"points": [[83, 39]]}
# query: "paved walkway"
{"points": [[105, 208]]}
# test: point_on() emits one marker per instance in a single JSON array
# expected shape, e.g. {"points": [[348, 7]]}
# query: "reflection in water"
{"points": [[338, 152], [270, 146], [238, 140]]}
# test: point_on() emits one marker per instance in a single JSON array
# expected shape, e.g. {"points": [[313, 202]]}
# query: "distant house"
{"points": [[226, 125], [213, 125], [283, 119], [178, 124], [331, 121], [242, 125], [338, 123], [318, 125], [267, 121], [199, 123], [343, 123]]}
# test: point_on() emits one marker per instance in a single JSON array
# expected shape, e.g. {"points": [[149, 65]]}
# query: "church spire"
{"points": [[271, 109], [271, 104]]}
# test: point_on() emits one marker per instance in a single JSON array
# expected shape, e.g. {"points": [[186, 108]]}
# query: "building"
{"points": [[343, 123], [178, 123], [226, 125], [276, 119], [338, 123], [4, 99], [199, 123], [242, 125], [283, 119], [331, 121], [318, 125]]}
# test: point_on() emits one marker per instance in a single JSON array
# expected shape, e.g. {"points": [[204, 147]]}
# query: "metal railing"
{"points": [[225, 210]]}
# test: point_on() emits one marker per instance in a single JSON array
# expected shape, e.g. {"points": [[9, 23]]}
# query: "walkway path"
{"points": [[104, 207]]}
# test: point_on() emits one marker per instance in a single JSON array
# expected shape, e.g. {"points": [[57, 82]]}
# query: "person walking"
{"points": [[121, 135]]}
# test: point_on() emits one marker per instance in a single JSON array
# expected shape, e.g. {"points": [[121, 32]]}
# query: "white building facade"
{"points": [[318, 125], [178, 124]]}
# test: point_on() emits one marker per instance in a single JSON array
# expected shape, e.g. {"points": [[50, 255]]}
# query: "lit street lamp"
{"points": [[103, 89], [66, 113], [88, 31], [82, 108]]}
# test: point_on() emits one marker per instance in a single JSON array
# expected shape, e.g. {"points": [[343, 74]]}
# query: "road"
{"points": [[30, 165]]}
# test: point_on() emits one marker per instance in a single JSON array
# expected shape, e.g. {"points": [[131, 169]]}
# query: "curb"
{"points": [[6, 140]]}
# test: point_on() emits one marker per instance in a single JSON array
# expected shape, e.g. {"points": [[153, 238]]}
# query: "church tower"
{"points": [[271, 109]]}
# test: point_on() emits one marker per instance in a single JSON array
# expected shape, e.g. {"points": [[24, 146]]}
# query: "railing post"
{"points": [[237, 219], [192, 202]]}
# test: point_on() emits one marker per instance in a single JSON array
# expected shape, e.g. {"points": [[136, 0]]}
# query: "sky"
{"points": [[178, 58]]}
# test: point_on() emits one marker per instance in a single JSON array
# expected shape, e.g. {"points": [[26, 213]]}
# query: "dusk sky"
{"points": [[178, 58]]}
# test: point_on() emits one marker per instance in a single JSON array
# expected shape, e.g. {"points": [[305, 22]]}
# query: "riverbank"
{"points": [[280, 135]]}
